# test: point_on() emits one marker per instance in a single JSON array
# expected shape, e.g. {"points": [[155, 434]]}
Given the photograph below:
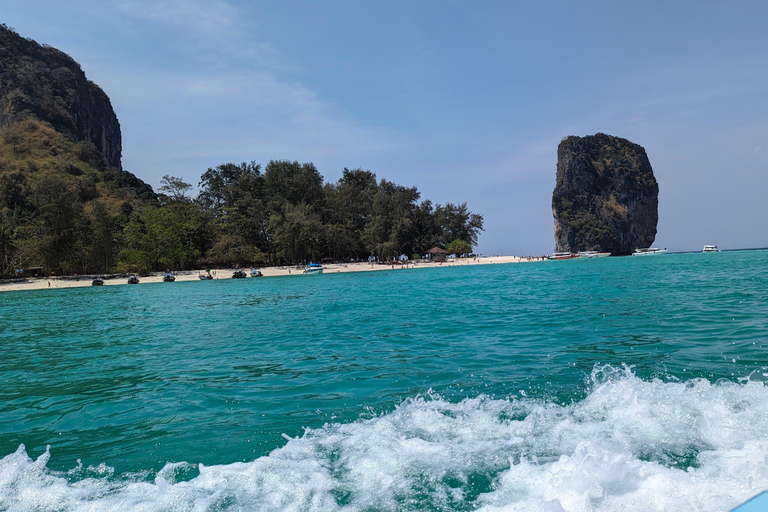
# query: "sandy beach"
{"points": [[222, 273]]}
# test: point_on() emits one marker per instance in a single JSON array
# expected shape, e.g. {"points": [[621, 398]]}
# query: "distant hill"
{"points": [[45, 83], [31, 151]]}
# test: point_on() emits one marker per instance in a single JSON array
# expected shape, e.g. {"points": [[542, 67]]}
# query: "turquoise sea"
{"points": [[583, 385]]}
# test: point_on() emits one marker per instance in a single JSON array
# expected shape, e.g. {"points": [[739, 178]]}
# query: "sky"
{"points": [[465, 100]]}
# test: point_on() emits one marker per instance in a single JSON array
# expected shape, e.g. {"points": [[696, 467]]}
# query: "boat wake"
{"points": [[630, 444]]}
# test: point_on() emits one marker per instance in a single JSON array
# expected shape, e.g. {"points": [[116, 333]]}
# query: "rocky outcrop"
{"points": [[45, 83], [606, 197]]}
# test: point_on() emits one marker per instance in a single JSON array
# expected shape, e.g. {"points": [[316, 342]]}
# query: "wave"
{"points": [[630, 444]]}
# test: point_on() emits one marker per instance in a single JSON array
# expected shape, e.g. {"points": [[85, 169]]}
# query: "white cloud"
{"points": [[227, 95], [209, 16]]}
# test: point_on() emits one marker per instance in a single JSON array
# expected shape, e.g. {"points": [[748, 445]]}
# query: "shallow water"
{"points": [[618, 383]]}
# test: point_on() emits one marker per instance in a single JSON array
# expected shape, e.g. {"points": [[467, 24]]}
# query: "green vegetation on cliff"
{"points": [[61, 206]]}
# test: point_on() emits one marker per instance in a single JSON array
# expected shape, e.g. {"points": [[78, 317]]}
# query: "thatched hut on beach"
{"points": [[437, 254]]}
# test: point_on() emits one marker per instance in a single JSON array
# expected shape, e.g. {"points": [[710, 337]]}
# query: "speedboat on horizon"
{"points": [[710, 248], [650, 251]]}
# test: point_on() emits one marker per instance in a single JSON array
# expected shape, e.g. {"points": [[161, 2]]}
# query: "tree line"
{"points": [[243, 215]]}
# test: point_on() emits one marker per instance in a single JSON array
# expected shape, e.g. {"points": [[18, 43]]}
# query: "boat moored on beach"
{"points": [[562, 256], [238, 274], [97, 281], [313, 269], [650, 251], [134, 279], [710, 248], [256, 273], [168, 277]]}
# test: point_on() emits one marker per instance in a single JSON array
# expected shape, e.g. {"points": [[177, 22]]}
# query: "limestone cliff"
{"points": [[42, 82], [606, 197]]}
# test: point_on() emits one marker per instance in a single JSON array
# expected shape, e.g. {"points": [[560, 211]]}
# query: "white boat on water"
{"points": [[562, 256], [650, 251], [591, 254], [313, 269], [710, 248]]}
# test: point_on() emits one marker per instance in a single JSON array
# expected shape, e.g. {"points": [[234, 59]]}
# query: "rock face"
{"points": [[606, 197], [45, 83]]}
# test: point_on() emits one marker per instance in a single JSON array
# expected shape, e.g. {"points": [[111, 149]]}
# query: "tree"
{"points": [[104, 235], [458, 247], [7, 249], [347, 209], [456, 222], [424, 231], [294, 183], [14, 193], [58, 217], [234, 195], [161, 238], [297, 232], [225, 184], [232, 249], [176, 189], [385, 234]]}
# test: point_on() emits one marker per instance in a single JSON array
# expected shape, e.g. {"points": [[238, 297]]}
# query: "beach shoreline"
{"points": [[57, 282]]}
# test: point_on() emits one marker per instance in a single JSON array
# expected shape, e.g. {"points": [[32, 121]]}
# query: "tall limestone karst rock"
{"points": [[42, 82], [606, 197]]}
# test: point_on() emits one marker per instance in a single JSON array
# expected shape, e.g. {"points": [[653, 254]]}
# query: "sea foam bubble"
{"points": [[630, 444]]}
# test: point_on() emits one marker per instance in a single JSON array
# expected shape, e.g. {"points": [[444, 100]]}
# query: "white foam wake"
{"points": [[629, 445]]}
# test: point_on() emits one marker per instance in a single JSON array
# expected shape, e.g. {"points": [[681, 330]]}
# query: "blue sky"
{"points": [[465, 100]]}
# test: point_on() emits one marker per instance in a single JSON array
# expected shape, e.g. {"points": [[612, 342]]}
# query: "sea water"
{"points": [[581, 385]]}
